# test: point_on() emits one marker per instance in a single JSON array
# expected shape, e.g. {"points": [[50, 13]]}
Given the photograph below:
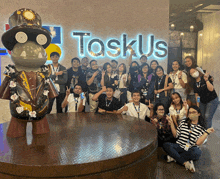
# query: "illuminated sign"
{"points": [[114, 48]]}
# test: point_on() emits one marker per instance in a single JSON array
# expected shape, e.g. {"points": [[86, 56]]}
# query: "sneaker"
{"points": [[170, 159], [205, 140], [190, 166]]}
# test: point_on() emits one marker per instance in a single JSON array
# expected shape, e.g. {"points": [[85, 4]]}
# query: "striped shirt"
{"points": [[186, 134]]}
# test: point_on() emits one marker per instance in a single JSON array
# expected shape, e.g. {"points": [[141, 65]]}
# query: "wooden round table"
{"points": [[82, 145]]}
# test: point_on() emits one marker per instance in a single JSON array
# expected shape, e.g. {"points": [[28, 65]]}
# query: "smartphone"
{"points": [[82, 95]]}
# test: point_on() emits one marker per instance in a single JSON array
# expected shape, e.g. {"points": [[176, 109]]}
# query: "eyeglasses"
{"points": [[160, 109], [193, 112]]}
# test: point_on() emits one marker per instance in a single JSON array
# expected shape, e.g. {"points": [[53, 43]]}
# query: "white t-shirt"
{"points": [[181, 113], [122, 84], [144, 110], [175, 79], [72, 102]]}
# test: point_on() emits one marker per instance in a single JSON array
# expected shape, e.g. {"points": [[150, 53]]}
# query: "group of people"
{"points": [[181, 104]]}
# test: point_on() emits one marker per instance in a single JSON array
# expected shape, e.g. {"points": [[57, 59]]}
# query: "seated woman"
{"points": [[191, 133], [106, 102], [135, 108], [178, 108], [160, 121], [162, 87], [76, 101]]}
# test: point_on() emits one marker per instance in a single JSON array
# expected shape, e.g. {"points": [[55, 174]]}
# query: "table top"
{"points": [[78, 143]]}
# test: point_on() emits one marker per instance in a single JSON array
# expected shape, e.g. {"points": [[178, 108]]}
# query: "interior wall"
{"points": [[104, 19], [208, 47]]}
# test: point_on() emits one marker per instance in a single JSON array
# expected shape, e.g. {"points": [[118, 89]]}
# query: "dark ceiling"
{"points": [[183, 13]]}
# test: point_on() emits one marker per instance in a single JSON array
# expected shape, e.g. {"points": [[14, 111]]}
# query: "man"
{"points": [[59, 77], [114, 65], [143, 59], [93, 79], [137, 109], [76, 100], [107, 103], [84, 65], [75, 75]]}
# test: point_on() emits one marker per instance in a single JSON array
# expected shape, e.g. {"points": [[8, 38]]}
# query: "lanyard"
{"points": [[159, 81], [174, 78], [137, 110], [107, 104], [198, 84], [76, 102], [190, 132], [57, 70]]}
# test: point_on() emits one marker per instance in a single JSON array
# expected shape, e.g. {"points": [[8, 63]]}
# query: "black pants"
{"points": [[59, 100]]}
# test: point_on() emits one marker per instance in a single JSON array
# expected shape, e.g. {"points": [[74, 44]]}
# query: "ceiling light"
{"points": [[191, 28], [188, 10], [182, 34], [198, 5]]}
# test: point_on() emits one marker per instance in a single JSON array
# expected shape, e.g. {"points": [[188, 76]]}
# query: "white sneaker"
{"points": [[170, 159], [190, 166], [205, 140]]}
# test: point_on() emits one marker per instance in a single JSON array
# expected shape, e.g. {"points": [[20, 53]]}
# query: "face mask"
{"points": [[195, 74], [193, 117], [133, 69]]}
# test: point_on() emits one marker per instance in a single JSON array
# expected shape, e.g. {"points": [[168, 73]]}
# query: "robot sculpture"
{"points": [[27, 84]]}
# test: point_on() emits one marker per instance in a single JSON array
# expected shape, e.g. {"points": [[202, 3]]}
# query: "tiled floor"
{"points": [[207, 167]]}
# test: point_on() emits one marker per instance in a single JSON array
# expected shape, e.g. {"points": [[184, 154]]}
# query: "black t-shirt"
{"points": [[107, 104], [75, 77], [95, 86], [205, 95], [159, 83]]}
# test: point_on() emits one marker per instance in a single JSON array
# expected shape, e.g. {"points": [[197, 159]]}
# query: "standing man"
{"points": [[114, 65], [84, 65], [75, 75], [59, 77], [93, 79]]}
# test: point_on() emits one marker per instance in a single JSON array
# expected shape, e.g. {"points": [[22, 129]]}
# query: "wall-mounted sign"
{"points": [[113, 48]]}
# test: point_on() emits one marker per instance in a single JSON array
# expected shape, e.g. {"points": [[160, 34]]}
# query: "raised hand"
{"points": [[150, 105], [103, 73], [180, 74], [206, 76], [67, 90], [96, 73], [170, 120], [104, 88], [210, 130]]}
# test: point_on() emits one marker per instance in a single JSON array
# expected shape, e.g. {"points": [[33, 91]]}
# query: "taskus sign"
{"points": [[114, 48]]}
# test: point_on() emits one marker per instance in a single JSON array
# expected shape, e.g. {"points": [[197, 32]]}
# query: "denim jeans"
{"points": [[179, 154], [208, 111]]}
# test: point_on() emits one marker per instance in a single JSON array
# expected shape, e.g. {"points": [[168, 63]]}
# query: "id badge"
{"points": [[145, 93], [187, 146], [158, 95]]}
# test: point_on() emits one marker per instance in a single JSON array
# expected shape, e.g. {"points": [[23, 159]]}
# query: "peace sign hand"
{"points": [[67, 90]]}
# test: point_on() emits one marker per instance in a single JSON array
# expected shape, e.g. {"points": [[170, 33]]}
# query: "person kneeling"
{"points": [[107, 103], [76, 101], [135, 108], [191, 133]]}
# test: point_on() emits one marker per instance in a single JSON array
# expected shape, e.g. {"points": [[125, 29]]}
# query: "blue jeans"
{"points": [[179, 154], [208, 111]]}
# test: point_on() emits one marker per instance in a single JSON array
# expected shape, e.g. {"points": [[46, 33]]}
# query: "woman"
{"points": [[179, 79], [190, 62], [153, 66], [161, 123], [121, 92], [132, 81], [145, 85], [163, 85], [191, 133], [204, 90], [178, 108], [108, 78]]}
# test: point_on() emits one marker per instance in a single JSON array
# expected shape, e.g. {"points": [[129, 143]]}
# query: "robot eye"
{"points": [[21, 37], [41, 39]]}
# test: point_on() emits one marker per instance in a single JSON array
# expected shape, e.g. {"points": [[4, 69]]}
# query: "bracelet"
{"points": [[207, 132]]}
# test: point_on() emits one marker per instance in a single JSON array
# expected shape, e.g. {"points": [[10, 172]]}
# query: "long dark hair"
{"points": [[160, 68], [138, 66], [171, 100], [124, 68], [142, 66], [151, 70], [201, 120], [194, 63]]}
